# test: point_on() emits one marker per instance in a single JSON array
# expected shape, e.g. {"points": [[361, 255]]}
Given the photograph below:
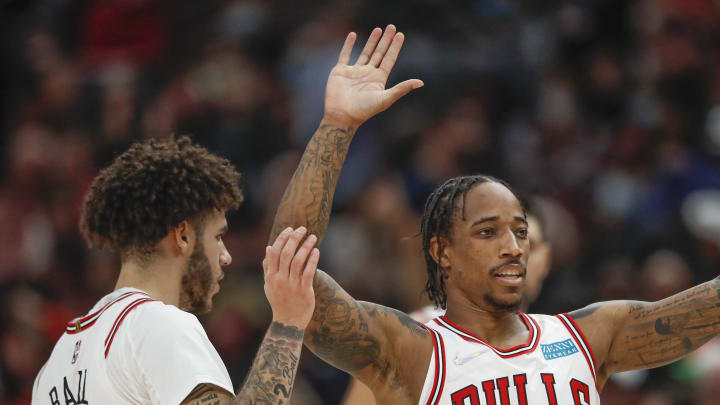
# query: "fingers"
{"points": [[273, 254], [388, 61], [346, 50], [382, 46], [310, 267], [288, 251], [300, 257], [369, 47], [393, 94]]}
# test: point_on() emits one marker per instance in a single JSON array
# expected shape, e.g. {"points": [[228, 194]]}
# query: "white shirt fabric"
{"points": [[130, 349], [555, 366]]}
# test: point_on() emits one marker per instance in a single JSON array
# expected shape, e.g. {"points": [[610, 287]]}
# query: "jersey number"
{"points": [[499, 387]]}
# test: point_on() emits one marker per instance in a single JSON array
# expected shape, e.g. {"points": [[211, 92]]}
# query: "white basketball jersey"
{"points": [[129, 349], [554, 367]]}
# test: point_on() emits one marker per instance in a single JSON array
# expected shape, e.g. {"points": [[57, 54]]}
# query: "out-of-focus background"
{"points": [[607, 111]]}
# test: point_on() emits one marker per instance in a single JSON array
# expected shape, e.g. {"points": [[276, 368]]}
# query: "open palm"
{"points": [[355, 93]]}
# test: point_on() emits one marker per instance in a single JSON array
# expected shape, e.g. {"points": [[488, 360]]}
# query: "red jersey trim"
{"points": [[527, 347], [118, 321], [80, 324], [581, 341], [439, 381]]}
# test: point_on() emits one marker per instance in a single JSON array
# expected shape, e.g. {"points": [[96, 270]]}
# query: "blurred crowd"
{"points": [[607, 112]]}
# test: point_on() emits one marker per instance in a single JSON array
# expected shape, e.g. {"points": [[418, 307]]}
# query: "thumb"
{"points": [[393, 94]]}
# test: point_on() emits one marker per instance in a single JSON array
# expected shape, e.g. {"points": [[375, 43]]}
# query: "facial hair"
{"points": [[196, 282], [501, 306], [498, 305]]}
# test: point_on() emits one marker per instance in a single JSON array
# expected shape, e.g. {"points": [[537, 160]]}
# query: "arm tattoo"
{"points": [[338, 331], [661, 332], [308, 198], [271, 377], [206, 394]]}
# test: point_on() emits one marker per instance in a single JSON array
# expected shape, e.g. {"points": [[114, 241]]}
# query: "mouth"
{"points": [[510, 274]]}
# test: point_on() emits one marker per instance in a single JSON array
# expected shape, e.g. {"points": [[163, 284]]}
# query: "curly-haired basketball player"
{"points": [[162, 206], [475, 239]]}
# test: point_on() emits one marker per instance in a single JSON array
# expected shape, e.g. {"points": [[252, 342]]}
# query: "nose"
{"points": [[510, 247], [225, 258]]}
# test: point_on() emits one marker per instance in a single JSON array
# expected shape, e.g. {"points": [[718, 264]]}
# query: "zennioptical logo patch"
{"points": [[558, 349]]}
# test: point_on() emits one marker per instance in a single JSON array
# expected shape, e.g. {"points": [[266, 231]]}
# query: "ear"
{"points": [[438, 251], [181, 237]]}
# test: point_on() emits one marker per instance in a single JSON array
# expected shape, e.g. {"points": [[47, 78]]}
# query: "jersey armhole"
{"points": [[438, 363], [582, 343]]}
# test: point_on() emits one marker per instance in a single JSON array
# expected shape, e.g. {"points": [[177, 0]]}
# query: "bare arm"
{"points": [[307, 200], [633, 335], [360, 338], [354, 94]]}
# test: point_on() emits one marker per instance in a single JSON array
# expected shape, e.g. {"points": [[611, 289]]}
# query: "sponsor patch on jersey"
{"points": [[558, 349]]}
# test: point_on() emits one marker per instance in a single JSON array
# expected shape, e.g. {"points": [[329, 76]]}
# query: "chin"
{"points": [[503, 304]]}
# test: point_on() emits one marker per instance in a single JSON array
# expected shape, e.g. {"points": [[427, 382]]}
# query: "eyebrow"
{"points": [[485, 219], [224, 230], [495, 218]]}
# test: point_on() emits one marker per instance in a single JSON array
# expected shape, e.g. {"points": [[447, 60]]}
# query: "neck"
{"points": [[503, 329], [160, 279]]}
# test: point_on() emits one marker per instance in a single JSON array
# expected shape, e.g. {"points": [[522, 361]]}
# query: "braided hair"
{"points": [[437, 222]]}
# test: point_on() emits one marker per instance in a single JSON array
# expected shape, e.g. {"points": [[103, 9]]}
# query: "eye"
{"points": [[485, 232], [522, 233]]}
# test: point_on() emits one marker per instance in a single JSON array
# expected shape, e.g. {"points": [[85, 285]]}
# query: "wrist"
{"points": [[286, 329], [340, 121]]}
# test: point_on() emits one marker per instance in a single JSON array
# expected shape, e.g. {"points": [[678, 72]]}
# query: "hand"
{"points": [[356, 93], [288, 279]]}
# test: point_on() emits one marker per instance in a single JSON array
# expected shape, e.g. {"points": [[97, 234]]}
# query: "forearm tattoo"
{"points": [[308, 198], [667, 330], [272, 375]]}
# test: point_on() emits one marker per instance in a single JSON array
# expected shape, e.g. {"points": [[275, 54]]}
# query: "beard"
{"points": [[501, 306], [196, 283]]}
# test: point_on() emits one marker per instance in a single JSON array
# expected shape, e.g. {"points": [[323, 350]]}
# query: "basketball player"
{"points": [[538, 266], [162, 206], [475, 241]]}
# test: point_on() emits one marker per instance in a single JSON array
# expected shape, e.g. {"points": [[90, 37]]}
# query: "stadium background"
{"points": [[607, 111]]}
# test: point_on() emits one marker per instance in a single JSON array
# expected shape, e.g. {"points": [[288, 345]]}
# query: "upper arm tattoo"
{"points": [[307, 200], [208, 394], [339, 331], [355, 335], [661, 332]]}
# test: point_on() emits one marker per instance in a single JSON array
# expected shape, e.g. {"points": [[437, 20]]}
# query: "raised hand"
{"points": [[355, 93], [289, 279]]}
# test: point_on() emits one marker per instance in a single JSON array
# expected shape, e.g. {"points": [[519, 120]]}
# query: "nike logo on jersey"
{"points": [[462, 360], [557, 350]]}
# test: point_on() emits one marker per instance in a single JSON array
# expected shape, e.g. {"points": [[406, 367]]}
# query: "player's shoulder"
{"points": [[157, 314]]}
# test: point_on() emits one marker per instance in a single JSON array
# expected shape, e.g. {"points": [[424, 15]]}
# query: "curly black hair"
{"points": [[437, 220], [153, 186]]}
